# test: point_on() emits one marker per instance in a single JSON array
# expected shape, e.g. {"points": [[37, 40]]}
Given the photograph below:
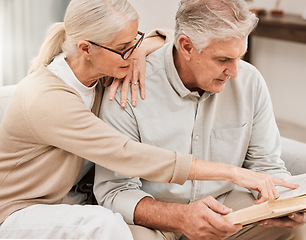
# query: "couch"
{"points": [[293, 152]]}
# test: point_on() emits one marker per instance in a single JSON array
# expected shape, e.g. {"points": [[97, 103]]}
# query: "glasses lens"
{"points": [[138, 37], [138, 41], [128, 53]]}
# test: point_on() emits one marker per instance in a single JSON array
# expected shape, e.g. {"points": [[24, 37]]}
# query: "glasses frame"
{"points": [[123, 54]]}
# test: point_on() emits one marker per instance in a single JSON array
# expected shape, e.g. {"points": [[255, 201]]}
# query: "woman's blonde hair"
{"points": [[95, 20]]}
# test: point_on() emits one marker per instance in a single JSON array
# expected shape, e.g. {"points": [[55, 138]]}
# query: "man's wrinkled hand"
{"points": [[294, 220], [202, 222]]}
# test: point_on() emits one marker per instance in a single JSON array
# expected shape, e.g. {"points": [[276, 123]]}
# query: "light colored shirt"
{"points": [[235, 126]]}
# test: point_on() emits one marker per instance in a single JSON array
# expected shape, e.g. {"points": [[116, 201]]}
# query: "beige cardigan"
{"points": [[47, 131]]}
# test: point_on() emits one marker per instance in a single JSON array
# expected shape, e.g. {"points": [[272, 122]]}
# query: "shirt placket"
{"points": [[198, 142]]}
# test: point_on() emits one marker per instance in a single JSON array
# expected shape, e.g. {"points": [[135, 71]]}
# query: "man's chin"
{"points": [[219, 87]]}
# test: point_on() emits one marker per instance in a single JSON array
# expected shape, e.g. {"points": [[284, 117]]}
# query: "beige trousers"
{"points": [[236, 199]]}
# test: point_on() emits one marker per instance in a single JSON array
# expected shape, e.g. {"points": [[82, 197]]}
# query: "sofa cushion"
{"points": [[6, 93], [294, 155]]}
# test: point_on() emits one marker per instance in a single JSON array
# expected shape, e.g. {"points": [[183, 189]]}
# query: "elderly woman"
{"points": [[51, 126]]}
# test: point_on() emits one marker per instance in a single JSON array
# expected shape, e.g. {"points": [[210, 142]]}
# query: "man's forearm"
{"points": [[159, 215]]}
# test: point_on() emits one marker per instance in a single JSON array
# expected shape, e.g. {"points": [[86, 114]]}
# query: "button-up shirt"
{"points": [[235, 126]]}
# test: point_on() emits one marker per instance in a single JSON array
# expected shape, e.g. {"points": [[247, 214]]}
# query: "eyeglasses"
{"points": [[127, 53]]}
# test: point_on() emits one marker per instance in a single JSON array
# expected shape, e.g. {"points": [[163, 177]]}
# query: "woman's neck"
{"points": [[82, 69]]}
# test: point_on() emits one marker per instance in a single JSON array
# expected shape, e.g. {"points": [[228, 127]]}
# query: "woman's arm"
{"points": [[261, 182]]}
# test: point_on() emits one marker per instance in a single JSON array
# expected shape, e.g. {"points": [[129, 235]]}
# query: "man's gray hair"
{"points": [[206, 20]]}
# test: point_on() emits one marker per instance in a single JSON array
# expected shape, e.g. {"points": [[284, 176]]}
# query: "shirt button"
{"points": [[196, 138]]}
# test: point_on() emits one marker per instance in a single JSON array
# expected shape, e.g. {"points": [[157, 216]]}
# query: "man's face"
{"points": [[216, 64]]}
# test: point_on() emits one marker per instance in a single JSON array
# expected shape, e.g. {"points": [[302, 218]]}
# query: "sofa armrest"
{"points": [[294, 155]]}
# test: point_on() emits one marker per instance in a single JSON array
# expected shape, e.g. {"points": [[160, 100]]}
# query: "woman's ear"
{"points": [[186, 47], [84, 49]]}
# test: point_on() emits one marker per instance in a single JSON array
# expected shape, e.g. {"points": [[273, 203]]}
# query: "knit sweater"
{"points": [[46, 133]]}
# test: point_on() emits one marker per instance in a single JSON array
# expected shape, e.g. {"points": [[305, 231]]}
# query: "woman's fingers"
{"points": [[134, 89], [134, 83], [268, 190], [135, 77], [113, 87], [124, 92], [283, 183]]}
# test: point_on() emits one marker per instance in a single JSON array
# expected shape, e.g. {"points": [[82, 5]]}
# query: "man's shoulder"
{"points": [[248, 72], [247, 67], [155, 61], [248, 79], [156, 80]]}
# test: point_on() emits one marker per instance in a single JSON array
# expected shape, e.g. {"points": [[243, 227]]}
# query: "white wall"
{"points": [[156, 14], [281, 63], [23, 25], [283, 66]]}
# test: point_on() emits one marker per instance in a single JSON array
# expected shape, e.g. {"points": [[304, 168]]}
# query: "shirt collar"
{"points": [[174, 77], [60, 68]]}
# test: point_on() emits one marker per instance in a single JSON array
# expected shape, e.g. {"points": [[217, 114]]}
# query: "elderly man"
{"points": [[201, 99]]}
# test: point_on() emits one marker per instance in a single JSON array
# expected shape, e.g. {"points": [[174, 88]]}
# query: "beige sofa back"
{"points": [[6, 93]]}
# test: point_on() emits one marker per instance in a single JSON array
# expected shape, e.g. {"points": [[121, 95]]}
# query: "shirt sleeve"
{"points": [[264, 147]]}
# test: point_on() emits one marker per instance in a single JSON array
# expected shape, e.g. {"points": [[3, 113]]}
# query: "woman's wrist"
{"points": [[151, 44], [231, 173], [193, 169], [203, 170]]}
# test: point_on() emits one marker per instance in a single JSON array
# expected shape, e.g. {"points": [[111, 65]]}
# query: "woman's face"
{"points": [[108, 63]]}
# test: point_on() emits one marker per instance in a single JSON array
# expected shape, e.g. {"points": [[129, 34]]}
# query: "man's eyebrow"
{"points": [[230, 58], [220, 55], [223, 57]]}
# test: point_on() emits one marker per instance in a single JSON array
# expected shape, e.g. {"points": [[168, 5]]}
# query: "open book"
{"points": [[290, 201]]}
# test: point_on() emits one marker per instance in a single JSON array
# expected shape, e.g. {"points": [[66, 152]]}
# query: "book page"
{"points": [[288, 193]]}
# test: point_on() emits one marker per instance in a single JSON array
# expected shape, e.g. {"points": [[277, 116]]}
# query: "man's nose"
{"points": [[232, 69]]}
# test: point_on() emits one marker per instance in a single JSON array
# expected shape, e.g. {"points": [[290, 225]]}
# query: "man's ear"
{"points": [[84, 49], [186, 47]]}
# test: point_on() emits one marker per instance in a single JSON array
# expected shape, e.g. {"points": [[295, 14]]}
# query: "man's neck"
{"points": [[184, 72]]}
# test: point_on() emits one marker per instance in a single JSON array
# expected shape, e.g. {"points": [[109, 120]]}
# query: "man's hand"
{"points": [[294, 220], [197, 220], [202, 222]]}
